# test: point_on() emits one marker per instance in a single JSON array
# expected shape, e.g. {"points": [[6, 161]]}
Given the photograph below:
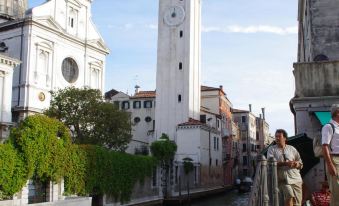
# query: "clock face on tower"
{"points": [[174, 15]]}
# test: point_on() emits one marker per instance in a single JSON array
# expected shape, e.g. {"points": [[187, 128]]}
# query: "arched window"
{"points": [[95, 79], [43, 63], [320, 57]]}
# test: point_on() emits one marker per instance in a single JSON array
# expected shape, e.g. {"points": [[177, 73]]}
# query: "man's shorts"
{"points": [[292, 191]]}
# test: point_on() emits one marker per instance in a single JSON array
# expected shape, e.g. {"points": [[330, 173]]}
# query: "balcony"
{"points": [[316, 79]]}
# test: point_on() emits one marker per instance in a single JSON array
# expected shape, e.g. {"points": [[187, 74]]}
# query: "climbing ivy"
{"points": [[44, 144], [40, 147], [188, 165], [163, 149], [13, 173], [97, 170]]}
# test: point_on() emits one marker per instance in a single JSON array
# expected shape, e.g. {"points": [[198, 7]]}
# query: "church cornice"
{"points": [[93, 44], [9, 61]]}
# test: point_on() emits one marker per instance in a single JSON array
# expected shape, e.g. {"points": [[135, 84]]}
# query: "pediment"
{"points": [[98, 43], [75, 3], [49, 22], [97, 64]]}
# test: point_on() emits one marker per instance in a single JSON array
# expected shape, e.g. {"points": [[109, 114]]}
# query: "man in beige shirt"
{"points": [[289, 165], [330, 142]]}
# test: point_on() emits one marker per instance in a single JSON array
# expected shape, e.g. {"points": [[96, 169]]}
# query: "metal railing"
{"points": [[265, 190]]}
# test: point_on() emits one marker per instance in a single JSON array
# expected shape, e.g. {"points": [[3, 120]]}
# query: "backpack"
{"points": [[317, 146]]}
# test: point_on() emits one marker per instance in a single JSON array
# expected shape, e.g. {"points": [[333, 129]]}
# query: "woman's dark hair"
{"points": [[282, 131]]}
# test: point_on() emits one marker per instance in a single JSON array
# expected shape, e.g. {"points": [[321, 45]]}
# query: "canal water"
{"points": [[231, 198]]}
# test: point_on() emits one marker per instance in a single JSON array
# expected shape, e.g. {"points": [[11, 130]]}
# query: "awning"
{"points": [[324, 117]]}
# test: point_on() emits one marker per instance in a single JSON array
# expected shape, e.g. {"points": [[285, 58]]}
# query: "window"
{"points": [[136, 120], [70, 70], [218, 123], [180, 66], [215, 143], [216, 162], [148, 119], [244, 160], [154, 177], [125, 105], [95, 79], [179, 98], [243, 119], [181, 33], [147, 104], [244, 171], [136, 105], [203, 118], [210, 161], [244, 147], [176, 174], [195, 174]]}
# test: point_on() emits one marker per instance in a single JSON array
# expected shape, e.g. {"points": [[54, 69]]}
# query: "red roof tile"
{"points": [[191, 122], [144, 94]]}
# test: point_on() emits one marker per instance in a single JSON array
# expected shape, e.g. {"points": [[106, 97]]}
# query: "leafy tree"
{"points": [[112, 127], [164, 150], [91, 120]]}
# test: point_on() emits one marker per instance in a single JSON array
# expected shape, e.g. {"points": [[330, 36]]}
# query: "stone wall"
{"points": [[325, 20], [84, 201], [316, 79]]}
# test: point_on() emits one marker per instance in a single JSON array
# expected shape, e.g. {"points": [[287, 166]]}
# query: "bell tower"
{"points": [[178, 65], [12, 9]]}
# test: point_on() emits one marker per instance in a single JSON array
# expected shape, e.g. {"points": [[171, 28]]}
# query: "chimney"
{"points": [[260, 116], [263, 113], [221, 87], [250, 107], [136, 89]]}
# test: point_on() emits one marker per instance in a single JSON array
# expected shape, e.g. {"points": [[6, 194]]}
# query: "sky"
{"points": [[248, 46]]}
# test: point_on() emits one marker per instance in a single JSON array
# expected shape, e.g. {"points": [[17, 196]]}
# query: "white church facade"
{"points": [[42, 49], [59, 46]]}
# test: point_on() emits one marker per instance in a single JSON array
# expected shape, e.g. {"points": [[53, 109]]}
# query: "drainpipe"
{"points": [[20, 67]]}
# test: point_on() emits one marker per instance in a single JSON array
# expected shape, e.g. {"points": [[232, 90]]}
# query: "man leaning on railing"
{"points": [[289, 164]]}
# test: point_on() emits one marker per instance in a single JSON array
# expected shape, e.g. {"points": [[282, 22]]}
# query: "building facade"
{"points": [[316, 73], [48, 47], [254, 136], [59, 46], [141, 107], [7, 66]]}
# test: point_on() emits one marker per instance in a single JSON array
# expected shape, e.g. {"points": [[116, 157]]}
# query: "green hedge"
{"points": [[40, 147], [13, 173], [97, 171]]}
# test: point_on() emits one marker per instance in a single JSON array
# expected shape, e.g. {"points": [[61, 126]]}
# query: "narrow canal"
{"points": [[232, 198]]}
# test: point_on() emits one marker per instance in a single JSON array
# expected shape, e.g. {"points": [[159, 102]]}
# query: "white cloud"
{"points": [[152, 26], [227, 29], [252, 29]]}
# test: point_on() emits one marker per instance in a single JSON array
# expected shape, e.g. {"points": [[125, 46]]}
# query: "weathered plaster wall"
{"points": [[316, 79]]}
